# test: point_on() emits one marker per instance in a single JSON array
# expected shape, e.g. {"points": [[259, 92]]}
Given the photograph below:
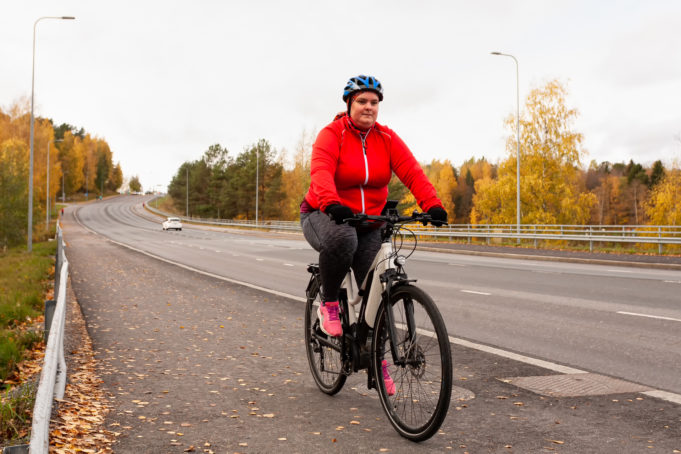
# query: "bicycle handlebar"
{"points": [[394, 219]]}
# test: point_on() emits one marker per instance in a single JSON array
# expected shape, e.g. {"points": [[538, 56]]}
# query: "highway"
{"points": [[624, 322]]}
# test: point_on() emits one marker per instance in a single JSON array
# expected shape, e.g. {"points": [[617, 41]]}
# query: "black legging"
{"points": [[340, 247]]}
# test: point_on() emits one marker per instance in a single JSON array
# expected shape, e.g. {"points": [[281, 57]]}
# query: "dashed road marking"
{"points": [[659, 317], [475, 292]]}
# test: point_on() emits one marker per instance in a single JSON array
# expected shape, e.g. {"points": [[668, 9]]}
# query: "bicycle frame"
{"points": [[383, 274], [382, 262]]}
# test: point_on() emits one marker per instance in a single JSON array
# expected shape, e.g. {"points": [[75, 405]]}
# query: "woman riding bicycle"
{"points": [[353, 159]]}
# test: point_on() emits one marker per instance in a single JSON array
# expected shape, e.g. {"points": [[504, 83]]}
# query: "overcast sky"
{"points": [[163, 80]]}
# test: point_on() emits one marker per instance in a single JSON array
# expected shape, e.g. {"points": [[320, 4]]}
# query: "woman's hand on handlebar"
{"points": [[438, 216], [339, 213]]}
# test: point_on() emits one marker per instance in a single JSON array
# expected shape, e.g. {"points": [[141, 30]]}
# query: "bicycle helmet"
{"points": [[361, 83]]}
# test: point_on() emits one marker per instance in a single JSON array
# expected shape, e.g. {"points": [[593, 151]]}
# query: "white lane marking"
{"points": [[664, 395], [673, 282], [659, 317], [261, 260], [620, 271], [288, 264], [475, 293]]}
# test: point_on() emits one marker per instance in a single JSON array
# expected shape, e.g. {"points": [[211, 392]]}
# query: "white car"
{"points": [[172, 224]]}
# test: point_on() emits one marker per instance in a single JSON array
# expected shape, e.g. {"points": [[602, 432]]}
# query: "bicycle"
{"points": [[395, 320]]}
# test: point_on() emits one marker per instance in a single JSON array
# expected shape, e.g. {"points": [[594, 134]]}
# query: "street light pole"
{"points": [[257, 175], [517, 127], [187, 206], [47, 198], [30, 164]]}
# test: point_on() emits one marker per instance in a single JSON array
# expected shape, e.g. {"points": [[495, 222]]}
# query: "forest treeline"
{"points": [[556, 187], [78, 163]]}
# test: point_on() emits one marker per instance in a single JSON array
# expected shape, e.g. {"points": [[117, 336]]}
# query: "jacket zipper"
{"points": [[366, 168]]}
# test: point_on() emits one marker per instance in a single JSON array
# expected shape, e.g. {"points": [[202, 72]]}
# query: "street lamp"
{"points": [[47, 199], [30, 165], [517, 127], [257, 174]]}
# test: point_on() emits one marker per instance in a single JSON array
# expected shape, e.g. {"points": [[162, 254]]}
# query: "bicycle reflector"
{"points": [[400, 260]]}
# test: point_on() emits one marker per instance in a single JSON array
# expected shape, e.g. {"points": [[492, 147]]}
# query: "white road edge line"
{"points": [[659, 317], [515, 356], [663, 395]]}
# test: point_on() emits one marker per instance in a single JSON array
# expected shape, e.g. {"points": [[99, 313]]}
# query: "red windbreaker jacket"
{"points": [[354, 171]]}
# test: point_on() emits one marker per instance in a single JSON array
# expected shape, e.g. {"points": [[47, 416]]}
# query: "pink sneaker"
{"points": [[387, 379], [328, 317]]}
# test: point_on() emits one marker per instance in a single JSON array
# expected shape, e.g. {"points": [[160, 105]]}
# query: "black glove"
{"points": [[438, 216], [340, 212]]}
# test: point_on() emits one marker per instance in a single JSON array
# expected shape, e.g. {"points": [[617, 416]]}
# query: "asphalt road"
{"points": [[619, 321], [223, 364]]}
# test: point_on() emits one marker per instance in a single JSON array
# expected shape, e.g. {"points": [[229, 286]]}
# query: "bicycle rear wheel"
{"points": [[423, 377], [323, 352]]}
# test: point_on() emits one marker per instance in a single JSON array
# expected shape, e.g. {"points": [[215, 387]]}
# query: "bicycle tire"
{"points": [[423, 386], [326, 363]]}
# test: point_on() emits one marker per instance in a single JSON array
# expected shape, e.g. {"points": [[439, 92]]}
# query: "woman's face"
{"points": [[364, 109]]}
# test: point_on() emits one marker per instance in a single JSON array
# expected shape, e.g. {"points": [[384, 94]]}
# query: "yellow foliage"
{"points": [[296, 181], [664, 205], [550, 182], [441, 175]]}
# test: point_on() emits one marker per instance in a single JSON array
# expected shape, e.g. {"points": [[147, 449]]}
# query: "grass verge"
{"points": [[25, 280]]}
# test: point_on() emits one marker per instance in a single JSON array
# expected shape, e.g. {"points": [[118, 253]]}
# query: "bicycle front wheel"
{"points": [[422, 375], [323, 352]]}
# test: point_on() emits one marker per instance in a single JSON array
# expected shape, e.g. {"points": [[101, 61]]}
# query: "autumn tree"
{"points": [[13, 191], [443, 177], [664, 205], [116, 179], [471, 171], [551, 187], [296, 181], [72, 160], [134, 184], [656, 174]]}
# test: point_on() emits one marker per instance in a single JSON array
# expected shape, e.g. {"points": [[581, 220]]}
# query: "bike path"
{"points": [[197, 364]]}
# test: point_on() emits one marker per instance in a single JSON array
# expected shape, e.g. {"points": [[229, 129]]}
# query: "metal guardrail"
{"points": [[643, 234], [53, 375]]}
